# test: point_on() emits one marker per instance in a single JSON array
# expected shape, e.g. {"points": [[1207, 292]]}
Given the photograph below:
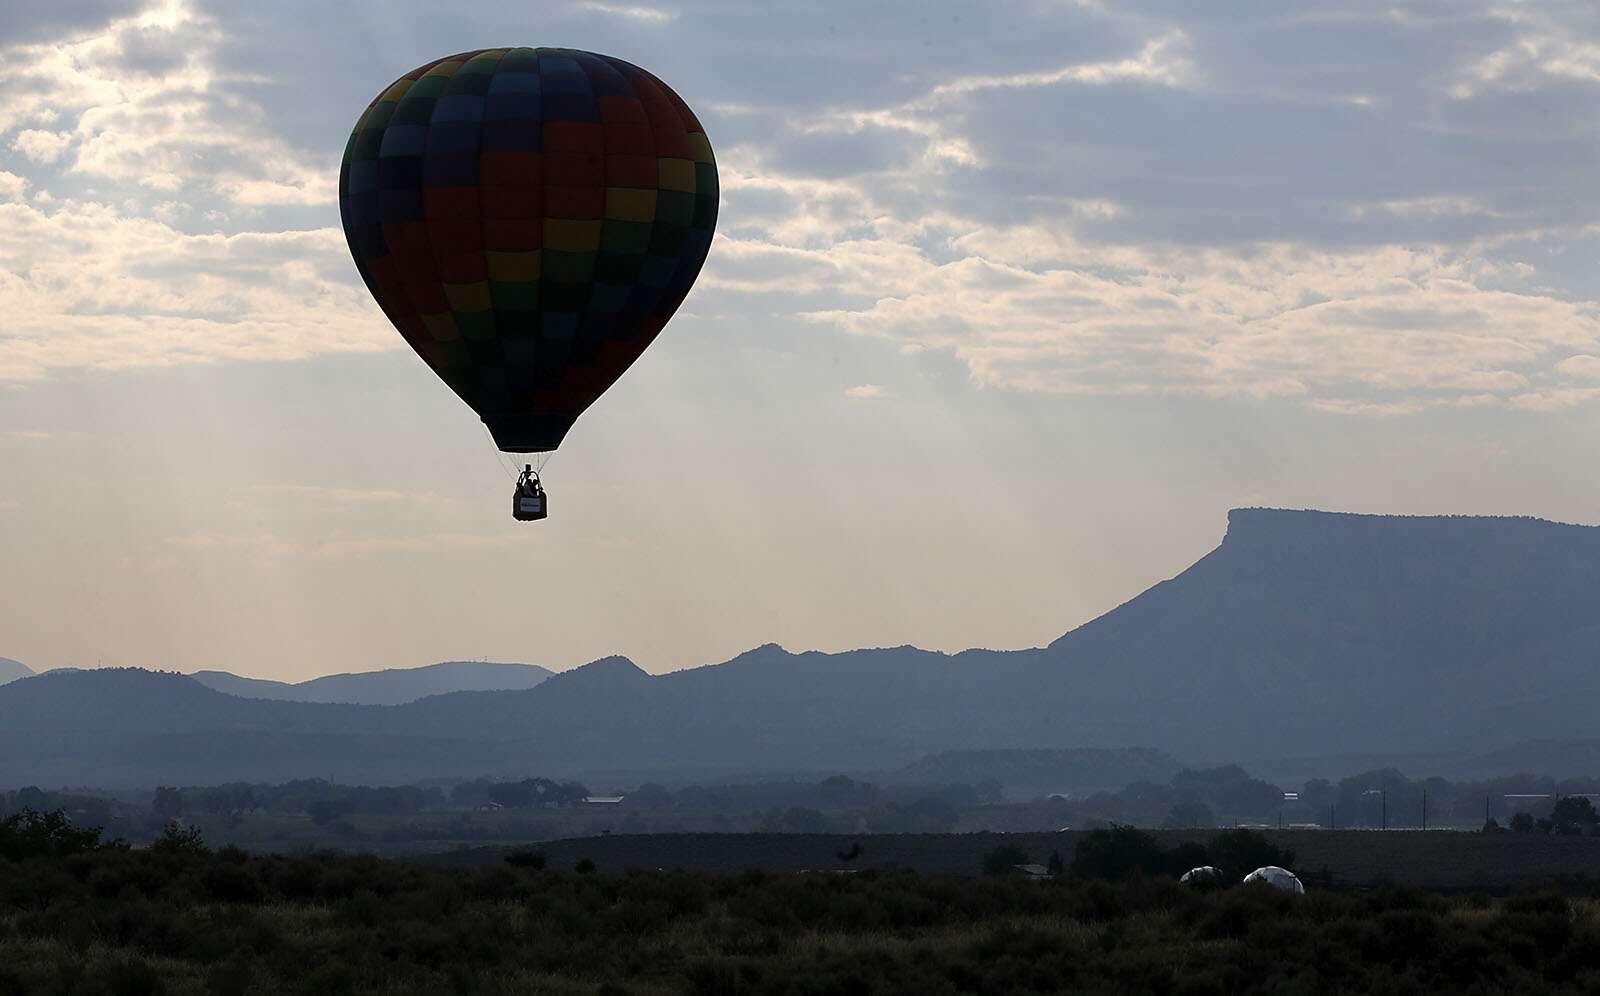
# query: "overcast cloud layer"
{"points": [[1128, 262], [1362, 206]]}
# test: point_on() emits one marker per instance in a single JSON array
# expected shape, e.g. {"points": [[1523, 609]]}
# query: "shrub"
{"points": [[35, 835], [1117, 853], [526, 859], [298, 880], [180, 841], [230, 978], [1240, 852], [1186, 856], [231, 883], [1573, 815], [132, 978], [1000, 860]]}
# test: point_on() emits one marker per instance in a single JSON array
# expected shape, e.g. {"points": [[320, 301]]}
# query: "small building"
{"points": [[602, 800]]}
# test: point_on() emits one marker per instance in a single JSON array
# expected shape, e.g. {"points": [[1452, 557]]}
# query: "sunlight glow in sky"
{"points": [[1009, 303]]}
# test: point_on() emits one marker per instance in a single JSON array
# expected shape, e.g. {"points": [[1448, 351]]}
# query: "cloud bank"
{"points": [[1361, 208]]}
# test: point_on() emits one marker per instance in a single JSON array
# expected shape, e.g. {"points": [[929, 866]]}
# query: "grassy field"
{"points": [[178, 919], [1441, 860]]}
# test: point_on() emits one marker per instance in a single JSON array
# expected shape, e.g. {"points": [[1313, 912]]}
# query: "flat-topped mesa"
{"points": [[1283, 535], [1257, 519]]}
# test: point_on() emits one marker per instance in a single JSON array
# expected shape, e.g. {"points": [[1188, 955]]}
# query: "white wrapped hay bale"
{"points": [[1278, 878]]}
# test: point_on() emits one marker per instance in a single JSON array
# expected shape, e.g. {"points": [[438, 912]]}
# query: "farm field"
{"points": [[1445, 860]]}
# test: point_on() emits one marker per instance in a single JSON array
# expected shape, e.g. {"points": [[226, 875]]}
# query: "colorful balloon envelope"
{"points": [[529, 219]]}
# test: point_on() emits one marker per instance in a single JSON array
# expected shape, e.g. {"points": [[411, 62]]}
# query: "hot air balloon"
{"points": [[528, 219]]}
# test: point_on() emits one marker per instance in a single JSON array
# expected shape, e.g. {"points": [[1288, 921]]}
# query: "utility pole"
{"points": [[1385, 799]]}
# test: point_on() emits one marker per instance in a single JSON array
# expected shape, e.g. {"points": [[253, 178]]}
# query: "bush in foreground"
{"points": [[190, 920]]}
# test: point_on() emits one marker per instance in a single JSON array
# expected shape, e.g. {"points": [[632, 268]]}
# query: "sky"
{"points": [[1008, 304]]}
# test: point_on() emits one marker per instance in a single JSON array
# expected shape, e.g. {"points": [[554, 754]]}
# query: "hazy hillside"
{"points": [[1556, 758], [394, 686], [1303, 634], [11, 670], [1311, 631], [126, 726]]}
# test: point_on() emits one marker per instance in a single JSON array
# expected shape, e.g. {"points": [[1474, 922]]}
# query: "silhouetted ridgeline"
{"points": [[1303, 633], [394, 686], [11, 670]]}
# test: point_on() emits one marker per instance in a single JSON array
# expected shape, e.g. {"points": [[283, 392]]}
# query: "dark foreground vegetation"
{"points": [[78, 916]]}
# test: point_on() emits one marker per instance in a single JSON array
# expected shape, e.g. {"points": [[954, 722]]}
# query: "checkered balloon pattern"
{"points": [[529, 219]]}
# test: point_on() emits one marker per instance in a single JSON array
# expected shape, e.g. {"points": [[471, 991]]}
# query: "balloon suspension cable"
{"points": [[508, 466]]}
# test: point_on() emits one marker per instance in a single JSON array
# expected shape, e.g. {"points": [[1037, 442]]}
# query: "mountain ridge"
{"points": [[11, 670], [390, 686], [1301, 634]]}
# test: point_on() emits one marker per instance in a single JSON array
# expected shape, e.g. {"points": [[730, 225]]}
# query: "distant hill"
{"points": [[1304, 634], [1556, 758], [1029, 773], [11, 670], [395, 686], [1316, 632], [130, 727]]}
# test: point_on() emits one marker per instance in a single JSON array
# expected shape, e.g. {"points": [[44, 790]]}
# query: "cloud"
{"points": [[264, 546], [12, 187], [146, 103], [1549, 43], [346, 497], [1159, 61], [1039, 227], [1371, 330], [633, 12], [38, 435], [86, 286], [867, 392], [1581, 367], [338, 495], [26, 22], [42, 146], [1361, 209]]}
